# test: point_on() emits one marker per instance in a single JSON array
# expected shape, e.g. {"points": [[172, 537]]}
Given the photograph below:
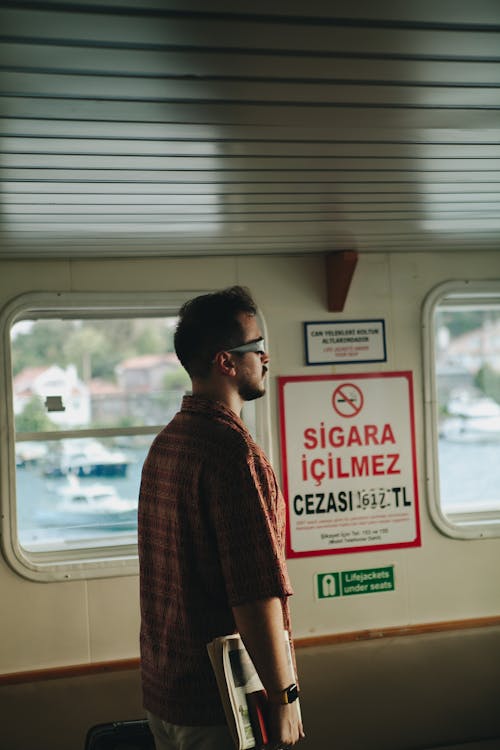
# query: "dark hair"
{"points": [[208, 324]]}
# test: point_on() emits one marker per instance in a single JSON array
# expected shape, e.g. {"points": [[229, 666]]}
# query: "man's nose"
{"points": [[264, 358]]}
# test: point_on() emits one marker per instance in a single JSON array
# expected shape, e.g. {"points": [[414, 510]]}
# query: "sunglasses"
{"points": [[259, 347]]}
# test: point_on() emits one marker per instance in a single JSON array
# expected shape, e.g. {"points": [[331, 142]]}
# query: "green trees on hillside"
{"points": [[94, 346], [33, 417], [488, 381]]}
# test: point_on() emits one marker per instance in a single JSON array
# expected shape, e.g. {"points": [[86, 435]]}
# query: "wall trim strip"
{"points": [[122, 665], [393, 632]]}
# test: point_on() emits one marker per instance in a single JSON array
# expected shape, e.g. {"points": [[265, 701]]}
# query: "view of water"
{"points": [[41, 525], [469, 478], [469, 473]]}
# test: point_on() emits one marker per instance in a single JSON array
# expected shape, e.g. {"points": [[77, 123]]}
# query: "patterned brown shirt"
{"points": [[211, 536]]}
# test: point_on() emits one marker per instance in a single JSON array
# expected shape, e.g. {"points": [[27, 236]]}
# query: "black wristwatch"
{"points": [[283, 697]]}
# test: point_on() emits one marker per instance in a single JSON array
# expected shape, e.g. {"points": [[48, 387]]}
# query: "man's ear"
{"points": [[224, 363]]}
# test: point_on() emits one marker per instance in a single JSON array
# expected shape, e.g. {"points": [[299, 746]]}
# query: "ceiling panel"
{"points": [[163, 128]]}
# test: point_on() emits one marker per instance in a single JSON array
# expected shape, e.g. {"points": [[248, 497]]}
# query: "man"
{"points": [[211, 537]]}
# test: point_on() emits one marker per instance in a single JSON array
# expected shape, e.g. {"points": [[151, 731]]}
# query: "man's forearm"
{"points": [[260, 625]]}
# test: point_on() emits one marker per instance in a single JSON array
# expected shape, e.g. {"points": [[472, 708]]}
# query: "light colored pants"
{"points": [[173, 737]]}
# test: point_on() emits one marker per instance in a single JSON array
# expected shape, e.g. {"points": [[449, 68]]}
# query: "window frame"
{"points": [[94, 561], [467, 525]]}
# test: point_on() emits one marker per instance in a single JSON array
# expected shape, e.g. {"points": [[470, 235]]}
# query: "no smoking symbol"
{"points": [[347, 400]]}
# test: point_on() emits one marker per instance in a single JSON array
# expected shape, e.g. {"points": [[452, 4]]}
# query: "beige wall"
{"points": [[50, 624]]}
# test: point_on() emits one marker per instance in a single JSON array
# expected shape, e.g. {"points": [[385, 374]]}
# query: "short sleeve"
{"points": [[247, 511]]}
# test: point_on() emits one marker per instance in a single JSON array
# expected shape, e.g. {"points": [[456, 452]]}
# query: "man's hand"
{"points": [[285, 726], [260, 625]]}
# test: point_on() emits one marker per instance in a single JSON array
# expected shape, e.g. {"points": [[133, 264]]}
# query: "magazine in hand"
{"points": [[243, 696]]}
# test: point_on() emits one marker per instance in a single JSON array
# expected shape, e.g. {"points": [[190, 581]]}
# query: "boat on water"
{"points": [[94, 504], [87, 458], [472, 420]]}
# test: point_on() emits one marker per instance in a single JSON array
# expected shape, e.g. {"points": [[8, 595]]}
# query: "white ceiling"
{"points": [[196, 127]]}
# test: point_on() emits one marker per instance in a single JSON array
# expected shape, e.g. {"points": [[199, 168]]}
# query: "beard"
{"points": [[250, 392]]}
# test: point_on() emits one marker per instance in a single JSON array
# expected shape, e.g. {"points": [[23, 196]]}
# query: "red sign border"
{"points": [[282, 380]]}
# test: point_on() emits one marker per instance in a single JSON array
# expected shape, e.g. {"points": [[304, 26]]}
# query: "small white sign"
{"points": [[345, 342]]}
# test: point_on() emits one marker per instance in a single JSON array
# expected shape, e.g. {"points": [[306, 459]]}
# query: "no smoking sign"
{"points": [[347, 400], [349, 462]]}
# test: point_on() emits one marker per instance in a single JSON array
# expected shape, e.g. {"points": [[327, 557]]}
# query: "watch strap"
{"points": [[285, 696]]}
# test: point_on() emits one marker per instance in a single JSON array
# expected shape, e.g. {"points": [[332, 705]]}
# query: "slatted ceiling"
{"points": [[341, 151], [258, 211], [239, 177], [190, 244], [244, 31], [179, 94], [472, 192], [163, 130], [252, 114], [328, 69], [346, 85], [209, 165], [84, 203], [294, 88]]}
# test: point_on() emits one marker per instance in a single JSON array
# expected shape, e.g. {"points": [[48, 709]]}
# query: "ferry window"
{"points": [[462, 382], [90, 381]]}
